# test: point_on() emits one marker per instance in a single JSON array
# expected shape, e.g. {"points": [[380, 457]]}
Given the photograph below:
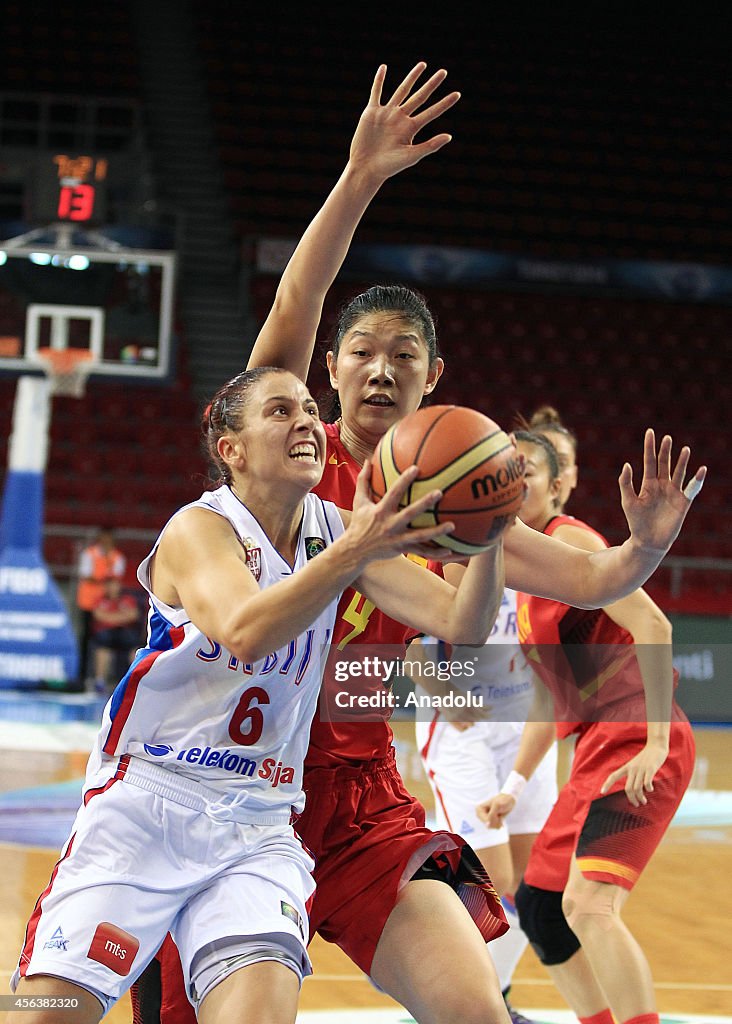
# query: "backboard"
{"points": [[118, 304]]}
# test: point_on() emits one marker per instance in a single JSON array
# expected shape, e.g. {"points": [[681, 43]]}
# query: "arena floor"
{"points": [[680, 910]]}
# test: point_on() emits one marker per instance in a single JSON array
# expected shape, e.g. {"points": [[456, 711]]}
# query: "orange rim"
{"points": [[64, 360]]}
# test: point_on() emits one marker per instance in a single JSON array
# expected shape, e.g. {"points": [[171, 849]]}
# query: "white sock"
{"points": [[507, 950]]}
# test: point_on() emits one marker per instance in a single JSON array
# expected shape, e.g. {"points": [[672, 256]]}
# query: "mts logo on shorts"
{"points": [[114, 948]]}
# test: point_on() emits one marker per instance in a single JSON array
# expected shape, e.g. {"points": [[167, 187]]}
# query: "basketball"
{"points": [[465, 455]]}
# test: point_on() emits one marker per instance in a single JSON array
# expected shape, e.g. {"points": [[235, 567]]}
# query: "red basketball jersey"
{"points": [[357, 622], [584, 646]]}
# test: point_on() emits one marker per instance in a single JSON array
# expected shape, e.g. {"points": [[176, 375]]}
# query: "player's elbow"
{"points": [[244, 641], [659, 626], [466, 634]]}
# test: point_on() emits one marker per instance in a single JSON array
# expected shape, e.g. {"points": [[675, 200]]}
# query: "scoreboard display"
{"points": [[70, 189]]}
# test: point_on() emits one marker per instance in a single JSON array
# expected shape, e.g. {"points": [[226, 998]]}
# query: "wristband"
{"points": [[514, 785]]}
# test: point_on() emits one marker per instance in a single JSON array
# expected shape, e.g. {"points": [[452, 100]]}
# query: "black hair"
{"points": [[381, 298], [546, 418], [540, 441]]}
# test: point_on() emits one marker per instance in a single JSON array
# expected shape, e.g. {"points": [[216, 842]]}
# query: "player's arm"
{"points": [[539, 733], [200, 565], [413, 595], [410, 593], [547, 567], [459, 718], [382, 146], [419, 666], [652, 636]]}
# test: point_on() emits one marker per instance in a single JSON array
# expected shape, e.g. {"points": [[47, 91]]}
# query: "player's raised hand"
{"points": [[383, 144], [382, 529], [656, 512]]}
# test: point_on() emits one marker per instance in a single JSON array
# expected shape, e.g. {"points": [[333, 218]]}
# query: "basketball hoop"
{"points": [[67, 369]]}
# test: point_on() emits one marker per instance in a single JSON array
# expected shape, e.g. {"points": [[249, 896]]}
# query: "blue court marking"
{"points": [[704, 807], [43, 815], [52, 796], [39, 815], [50, 708]]}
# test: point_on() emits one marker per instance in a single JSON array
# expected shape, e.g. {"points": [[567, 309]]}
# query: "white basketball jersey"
{"points": [[499, 673], [503, 677], [188, 704]]}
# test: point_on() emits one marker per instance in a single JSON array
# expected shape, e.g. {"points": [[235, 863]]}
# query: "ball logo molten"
{"points": [[465, 455]]}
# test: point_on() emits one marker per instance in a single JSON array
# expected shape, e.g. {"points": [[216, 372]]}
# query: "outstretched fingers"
{"points": [[377, 86], [418, 98], [696, 483], [393, 503], [405, 87], [682, 464], [664, 458], [393, 497], [435, 111], [659, 467], [416, 508], [650, 466], [626, 482]]}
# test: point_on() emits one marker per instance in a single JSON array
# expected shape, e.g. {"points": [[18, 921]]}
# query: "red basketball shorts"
{"points": [[611, 840], [368, 837]]}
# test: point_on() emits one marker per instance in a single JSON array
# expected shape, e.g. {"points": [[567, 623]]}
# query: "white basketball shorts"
{"points": [[467, 767], [139, 864]]}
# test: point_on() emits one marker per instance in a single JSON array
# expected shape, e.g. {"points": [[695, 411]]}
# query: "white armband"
{"points": [[514, 785]]}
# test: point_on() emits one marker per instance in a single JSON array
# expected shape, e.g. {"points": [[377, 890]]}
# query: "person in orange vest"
{"points": [[99, 561], [115, 634]]}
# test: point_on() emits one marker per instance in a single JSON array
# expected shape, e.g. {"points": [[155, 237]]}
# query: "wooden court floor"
{"points": [[680, 911]]}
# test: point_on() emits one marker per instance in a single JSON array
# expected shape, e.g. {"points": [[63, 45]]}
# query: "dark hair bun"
{"points": [[545, 415]]}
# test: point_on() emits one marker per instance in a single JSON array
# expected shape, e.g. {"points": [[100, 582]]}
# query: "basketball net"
{"points": [[67, 369]]}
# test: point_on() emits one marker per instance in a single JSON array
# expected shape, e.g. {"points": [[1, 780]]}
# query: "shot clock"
{"points": [[71, 189]]}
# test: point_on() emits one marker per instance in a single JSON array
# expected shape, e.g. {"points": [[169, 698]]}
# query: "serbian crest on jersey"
{"points": [[253, 555], [313, 546]]}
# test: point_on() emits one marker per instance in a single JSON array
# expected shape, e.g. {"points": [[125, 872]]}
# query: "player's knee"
{"points": [[544, 924], [593, 907], [469, 1007]]}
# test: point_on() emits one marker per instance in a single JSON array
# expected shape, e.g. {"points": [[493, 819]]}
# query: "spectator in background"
{"points": [[115, 632], [99, 561]]}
